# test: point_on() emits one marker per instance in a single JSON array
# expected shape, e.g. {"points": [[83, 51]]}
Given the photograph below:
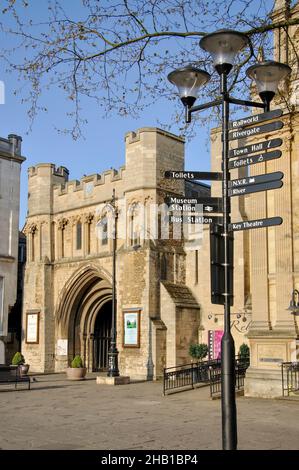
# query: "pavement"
{"points": [[59, 414]]}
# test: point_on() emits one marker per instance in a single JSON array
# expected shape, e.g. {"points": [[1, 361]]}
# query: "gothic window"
{"points": [[1, 295], [79, 236], [134, 225], [102, 230], [33, 242], [196, 266]]}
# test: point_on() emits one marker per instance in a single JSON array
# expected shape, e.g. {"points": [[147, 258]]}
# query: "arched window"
{"points": [[163, 267], [79, 236], [102, 230], [135, 224]]}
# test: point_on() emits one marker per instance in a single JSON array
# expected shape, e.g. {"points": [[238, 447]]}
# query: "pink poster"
{"points": [[217, 343]]}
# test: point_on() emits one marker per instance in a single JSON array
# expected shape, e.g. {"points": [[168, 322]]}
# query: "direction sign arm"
{"points": [[254, 104]]}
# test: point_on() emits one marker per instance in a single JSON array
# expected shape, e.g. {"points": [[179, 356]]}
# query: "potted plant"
{"points": [[199, 352], [244, 353], [77, 371], [19, 360]]}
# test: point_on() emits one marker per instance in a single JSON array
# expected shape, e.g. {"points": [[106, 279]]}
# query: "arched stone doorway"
{"points": [[84, 317]]}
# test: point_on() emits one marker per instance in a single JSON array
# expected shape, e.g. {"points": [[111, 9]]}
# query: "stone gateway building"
{"points": [[162, 274], [67, 294]]}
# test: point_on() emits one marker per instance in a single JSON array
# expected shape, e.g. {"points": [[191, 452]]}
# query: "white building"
{"points": [[10, 168]]}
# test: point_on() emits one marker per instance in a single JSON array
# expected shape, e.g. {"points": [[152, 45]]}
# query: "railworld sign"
{"points": [[193, 175], [251, 131], [255, 118], [260, 158], [277, 175], [259, 223], [254, 188], [254, 148]]}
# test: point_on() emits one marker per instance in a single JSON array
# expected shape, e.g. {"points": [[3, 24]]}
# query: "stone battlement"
{"points": [[132, 136], [54, 170], [107, 176]]}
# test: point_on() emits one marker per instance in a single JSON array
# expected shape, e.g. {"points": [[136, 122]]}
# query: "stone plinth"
{"points": [[122, 380]]}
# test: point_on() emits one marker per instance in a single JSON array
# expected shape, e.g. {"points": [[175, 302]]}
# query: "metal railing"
{"points": [[290, 378], [241, 365], [188, 375]]}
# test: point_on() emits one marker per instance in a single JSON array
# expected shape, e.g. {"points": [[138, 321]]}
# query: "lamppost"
{"points": [[113, 370], [223, 46], [294, 306]]}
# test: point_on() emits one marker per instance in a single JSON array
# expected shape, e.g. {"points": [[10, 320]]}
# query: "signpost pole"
{"points": [[228, 401]]}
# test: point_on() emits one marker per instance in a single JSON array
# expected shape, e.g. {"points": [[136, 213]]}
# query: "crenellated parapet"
{"points": [[108, 176]]}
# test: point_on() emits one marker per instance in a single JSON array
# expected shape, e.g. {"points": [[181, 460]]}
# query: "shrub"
{"points": [[244, 350], [77, 362], [18, 359], [198, 351]]}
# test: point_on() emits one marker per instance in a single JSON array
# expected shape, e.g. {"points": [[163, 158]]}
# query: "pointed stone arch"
{"points": [[79, 303]]}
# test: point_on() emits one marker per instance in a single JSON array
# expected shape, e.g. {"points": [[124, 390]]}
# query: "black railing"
{"points": [[290, 377], [241, 365], [188, 375]]}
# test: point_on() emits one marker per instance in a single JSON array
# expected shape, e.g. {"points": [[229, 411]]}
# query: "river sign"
{"points": [[254, 148], [255, 188], [276, 175], [259, 223], [251, 131], [255, 118], [193, 175], [260, 158]]}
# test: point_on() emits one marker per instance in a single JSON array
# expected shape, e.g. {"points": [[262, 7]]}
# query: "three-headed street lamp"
{"points": [[223, 46]]}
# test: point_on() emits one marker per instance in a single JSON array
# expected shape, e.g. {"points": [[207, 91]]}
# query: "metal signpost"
{"points": [[223, 46]]}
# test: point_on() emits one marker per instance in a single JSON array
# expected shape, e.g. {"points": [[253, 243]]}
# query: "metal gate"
{"points": [[101, 339]]}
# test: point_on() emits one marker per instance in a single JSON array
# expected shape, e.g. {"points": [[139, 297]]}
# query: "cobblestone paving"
{"points": [[58, 414]]}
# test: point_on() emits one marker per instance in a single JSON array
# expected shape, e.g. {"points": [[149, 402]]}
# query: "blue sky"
{"points": [[103, 146]]}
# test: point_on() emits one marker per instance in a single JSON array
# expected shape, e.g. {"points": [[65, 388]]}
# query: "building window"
{"points": [[102, 230], [196, 266], [135, 221], [79, 236], [163, 267], [62, 242], [33, 241]]}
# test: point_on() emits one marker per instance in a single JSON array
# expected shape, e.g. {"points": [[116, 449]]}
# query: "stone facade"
{"points": [[165, 280], [68, 271], [10, 168], [273, 334]]}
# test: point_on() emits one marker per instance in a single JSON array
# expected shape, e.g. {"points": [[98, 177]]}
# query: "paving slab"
{"points": [[58, 414]]}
